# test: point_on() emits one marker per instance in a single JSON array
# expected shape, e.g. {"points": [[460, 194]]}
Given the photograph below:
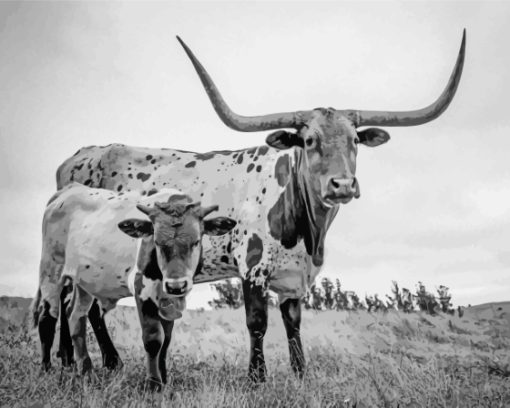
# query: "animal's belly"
{"points": [[105, 276]]}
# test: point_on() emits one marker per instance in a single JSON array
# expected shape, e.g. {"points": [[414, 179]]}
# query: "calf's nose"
{"points": [[177, 287]]}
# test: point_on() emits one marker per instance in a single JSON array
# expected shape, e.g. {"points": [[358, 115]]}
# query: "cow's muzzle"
{"points": [[177, 287], [342, 190]]}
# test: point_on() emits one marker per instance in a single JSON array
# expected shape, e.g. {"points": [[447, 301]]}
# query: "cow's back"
{"points": [[246, 185]]}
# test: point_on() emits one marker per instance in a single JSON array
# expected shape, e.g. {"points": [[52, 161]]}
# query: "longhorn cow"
{"points": [[284, 195]]}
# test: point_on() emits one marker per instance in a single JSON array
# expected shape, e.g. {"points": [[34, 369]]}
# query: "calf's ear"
{"points": [[136, 228], [281, 139], [373, 137], [218, 225]]}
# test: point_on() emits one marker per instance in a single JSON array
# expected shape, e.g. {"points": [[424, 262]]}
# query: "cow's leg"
{"points": [[168, 326], [291, 314], [77, 313], [255, 303], [46, 326], [153, 338], [66, 344], [111, 359]]}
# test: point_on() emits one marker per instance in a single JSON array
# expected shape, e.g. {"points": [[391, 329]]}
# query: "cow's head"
{"points": [[329, 137], [173, 237], [329, 141]]}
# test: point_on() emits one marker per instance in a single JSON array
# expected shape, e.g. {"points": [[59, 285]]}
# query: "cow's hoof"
{"points": [[113, 362], [153, 384], [257, 376], [45, 366], [67, 360]]}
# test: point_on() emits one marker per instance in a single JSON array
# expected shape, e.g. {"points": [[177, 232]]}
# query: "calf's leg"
{"points": [[77, 314], [153, 338], [46, 308], [65, 351], [46, 327], [168, 326], [255, 303], [291, 314], [111, 358]]}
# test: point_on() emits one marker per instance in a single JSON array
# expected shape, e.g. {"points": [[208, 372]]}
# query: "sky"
{"points": [[435, 200]]}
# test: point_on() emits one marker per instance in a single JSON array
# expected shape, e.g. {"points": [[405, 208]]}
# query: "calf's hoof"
{"points": [[153, 384], [85, 366]]}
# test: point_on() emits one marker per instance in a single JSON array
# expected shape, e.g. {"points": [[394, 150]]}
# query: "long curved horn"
{"points": [[420, 116], [238, 122]]}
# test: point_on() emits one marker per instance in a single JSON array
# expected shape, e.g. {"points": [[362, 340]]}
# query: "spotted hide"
{"points": [[283, 195], [102, 245]]}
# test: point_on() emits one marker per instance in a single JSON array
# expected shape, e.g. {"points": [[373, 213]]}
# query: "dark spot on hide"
{"points": [[152, 270], [289, 223], [250, 167], [224, 259], [240, 159], [88, 182], [143, 176], [282, 170], [150, 309], [114, 173], [263, 150], [148, 157], [254, 251], [210, 155], [259, 168], [152, 191], [190, 164]]}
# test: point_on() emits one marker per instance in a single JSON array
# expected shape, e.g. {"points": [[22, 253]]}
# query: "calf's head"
{"points": [[172, 239]]}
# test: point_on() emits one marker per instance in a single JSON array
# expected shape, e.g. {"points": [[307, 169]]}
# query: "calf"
{"points": [[154, 259]]}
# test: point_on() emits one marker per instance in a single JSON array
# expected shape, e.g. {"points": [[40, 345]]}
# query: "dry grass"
{"points": [[354, 359]]}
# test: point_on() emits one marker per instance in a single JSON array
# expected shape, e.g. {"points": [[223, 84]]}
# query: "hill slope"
{"points": [[388, 359]]}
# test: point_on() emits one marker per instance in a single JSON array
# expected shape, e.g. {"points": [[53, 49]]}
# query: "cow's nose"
{"points": [[343, 188], [176, 287]]}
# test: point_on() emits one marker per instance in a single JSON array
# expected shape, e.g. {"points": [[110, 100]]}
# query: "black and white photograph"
{"points": [[255, 204]]}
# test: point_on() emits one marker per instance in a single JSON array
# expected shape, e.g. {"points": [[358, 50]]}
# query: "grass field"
{"points": [[353, 359]]}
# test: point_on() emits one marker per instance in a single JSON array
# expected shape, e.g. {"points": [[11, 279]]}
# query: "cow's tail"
{"points": [[34, 308]]}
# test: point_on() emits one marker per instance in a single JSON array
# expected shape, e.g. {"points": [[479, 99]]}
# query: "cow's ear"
{"points": [[136, 228], [281, 139], [218, 225], [373, 137]]}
